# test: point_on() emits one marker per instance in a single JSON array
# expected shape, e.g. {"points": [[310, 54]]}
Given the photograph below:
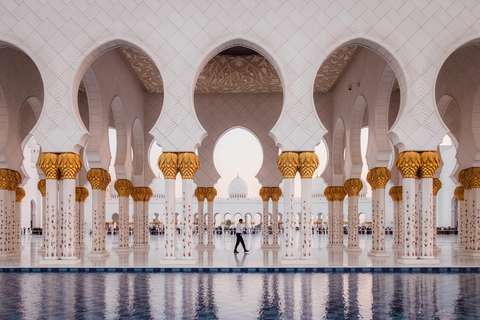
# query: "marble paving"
{"points": [[223, 256]]}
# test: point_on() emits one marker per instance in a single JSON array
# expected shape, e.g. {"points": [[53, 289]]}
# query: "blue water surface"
{"points": [[239, 296]]}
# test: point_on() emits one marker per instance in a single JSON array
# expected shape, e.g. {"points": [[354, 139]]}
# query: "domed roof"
{"points": [[318, 186], [237, 188], [158, 186]]}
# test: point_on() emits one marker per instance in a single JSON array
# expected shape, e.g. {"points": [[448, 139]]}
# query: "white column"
{"points": [[409, 209], [289, 214], [124, 222], [265, 195], [200, 194], [378, 179], [170, 219], [396, 194], [427, 219], [338, 223], [81, 197], [4, 200], [67, 205], [275, 193], [187, 203], [459, 194], [98, 227], [52, 213], [19, 195], [44, 221], [475, 215], [352, 188], [307, 218], [210, 193], [146, 215], [418, 217], [330, 224]]}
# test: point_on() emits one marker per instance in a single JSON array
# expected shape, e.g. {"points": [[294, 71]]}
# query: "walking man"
{"points": [[239, 230]]}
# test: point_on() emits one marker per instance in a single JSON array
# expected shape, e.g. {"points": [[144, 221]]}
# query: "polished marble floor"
{"points": [[239, 296], [223, 255]]}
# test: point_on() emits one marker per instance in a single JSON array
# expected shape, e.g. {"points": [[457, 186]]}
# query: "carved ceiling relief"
{"points": [[238, 74]]}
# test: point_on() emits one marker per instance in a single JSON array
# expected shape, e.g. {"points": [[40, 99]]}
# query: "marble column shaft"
{"points": [[378, 179], [43, 191], [289, 214], [81, 195], [19, 195], [335, 197], [200, 193], [307, 218], [99, 179], [187, 215], [460, 194], [352, 188], [211, 193], [67, 205], [124, 189], [275, 194], [170, 218], [265, 195]]}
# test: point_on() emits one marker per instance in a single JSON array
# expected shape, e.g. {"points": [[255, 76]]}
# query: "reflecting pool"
{"points": [[239, 296]]}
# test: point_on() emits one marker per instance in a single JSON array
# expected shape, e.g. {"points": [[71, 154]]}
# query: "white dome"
{"points": [[318, 186], [158, 186], [237, 188]]}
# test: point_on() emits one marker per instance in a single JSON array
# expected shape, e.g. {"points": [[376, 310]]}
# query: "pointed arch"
{"points": [[338, 147], [123, 159], [138, 153], [353, 161]]}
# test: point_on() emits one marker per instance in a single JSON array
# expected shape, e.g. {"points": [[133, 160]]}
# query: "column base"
{"points": [[397, 247], [378, 254], [275, 247], [10, 255], [437, 250], [200, 247], [169, 261], [265, 246], [470, 253], [59, 262], [335, 246], [99, 254], [123, 250], [140, 247], [353, 249], [209, 247], [80, 246]]}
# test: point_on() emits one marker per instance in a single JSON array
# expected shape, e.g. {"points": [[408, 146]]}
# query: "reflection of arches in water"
{"points": [[33, 216], [115, 218], [361, 217]]}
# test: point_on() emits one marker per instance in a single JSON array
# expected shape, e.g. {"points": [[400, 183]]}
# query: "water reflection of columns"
{"points": [[170, 294], [336, 300], [306, 305], [141, 301], [378, 296], [352, 311]]}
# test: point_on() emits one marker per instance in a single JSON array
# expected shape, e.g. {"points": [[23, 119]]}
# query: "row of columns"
{"points": [[10, 199], [267, 193], [203, 193]]}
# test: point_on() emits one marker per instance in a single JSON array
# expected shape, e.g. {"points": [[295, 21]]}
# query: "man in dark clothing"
{"points": [[239, 231]]}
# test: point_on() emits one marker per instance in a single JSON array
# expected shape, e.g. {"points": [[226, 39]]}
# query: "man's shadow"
{"points": [[237, 261]]}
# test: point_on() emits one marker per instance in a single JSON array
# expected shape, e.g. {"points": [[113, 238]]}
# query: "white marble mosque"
{"points": [[180, 74]]}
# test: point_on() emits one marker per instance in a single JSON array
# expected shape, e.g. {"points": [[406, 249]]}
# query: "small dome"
{"points": [[237, 188], [318, 186], [158, 186]]}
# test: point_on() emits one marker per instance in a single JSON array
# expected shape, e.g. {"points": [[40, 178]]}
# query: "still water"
{"points": [[239, 296]]}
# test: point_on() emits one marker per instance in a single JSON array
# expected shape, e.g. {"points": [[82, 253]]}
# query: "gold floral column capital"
{"points": [[408, 163], [308, 163], [6, 177], [16, 180], [396, 193], [275, 193], [463, 178], [211, 193], [288, 164], [81, 194], [69, 164], [430, 161], [98, 178], [168, 164], [138, 194], [48, 162], [264, 194], [473, 175], [378, 178], [201, 194], [148, 194], [42, 187], [353, 187], [123, 187], [188, 164], [459, 193], [437, 185], [19, 194], [335, 193]]}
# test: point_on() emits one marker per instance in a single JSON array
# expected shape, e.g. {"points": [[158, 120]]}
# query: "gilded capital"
{"points": [[16, 180], [353, 187], [148, 194], [264, 194], [437, 185], [123, 187], [138, 194], [308, 163], [6, 177], [335, 193], [408, 163], [69, 165], [430, 161], [211, 193], [200, 193], [19, 194], [42, 187], [81, 194], [98, 178], [378, 178], [288, 164], [275, 193], [463, 178], [168, 164], [188, 164], [396, 193], [459, 193], [48, 162], [474, 177]]}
